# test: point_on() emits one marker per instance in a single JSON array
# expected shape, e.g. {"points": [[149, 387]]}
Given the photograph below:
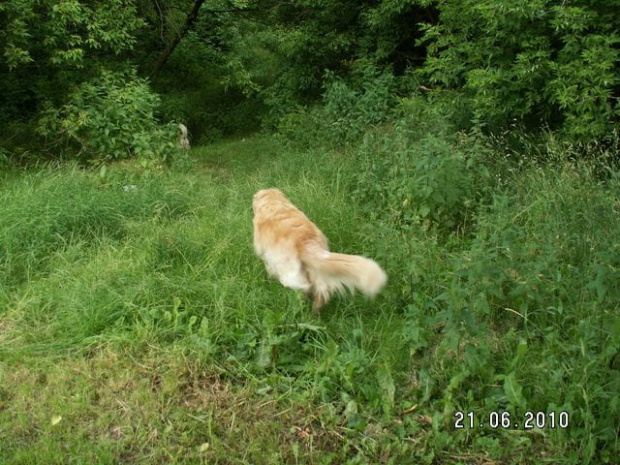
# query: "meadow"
{"points": [[137, 326], [471, 148]]}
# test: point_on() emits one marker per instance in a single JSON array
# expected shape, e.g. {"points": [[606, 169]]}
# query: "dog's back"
{"points": [[296, 252]]}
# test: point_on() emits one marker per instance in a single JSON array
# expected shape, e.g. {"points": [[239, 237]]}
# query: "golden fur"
{"points": [[295, 251]]}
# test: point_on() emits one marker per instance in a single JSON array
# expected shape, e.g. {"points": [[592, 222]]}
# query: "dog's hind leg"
{"points": [[318, 300]]}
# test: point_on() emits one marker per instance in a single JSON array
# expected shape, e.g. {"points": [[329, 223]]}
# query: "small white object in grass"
{"points": [[56, 419], [203, 447], [183, 137], [129, 187]]}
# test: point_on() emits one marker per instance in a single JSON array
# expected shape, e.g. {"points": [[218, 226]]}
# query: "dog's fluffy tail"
{"points": [[331, 272]]}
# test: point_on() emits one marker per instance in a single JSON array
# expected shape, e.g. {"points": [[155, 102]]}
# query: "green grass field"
{"points": [[137, 326]]}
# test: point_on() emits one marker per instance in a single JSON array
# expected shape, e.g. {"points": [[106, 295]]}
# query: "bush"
{"points": [[534, 62], [352, 109], [416, 175], [542, 274], [504, 275], [110, 117], [348, 110]]}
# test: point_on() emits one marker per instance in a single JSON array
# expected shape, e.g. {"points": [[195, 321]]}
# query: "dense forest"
{"points": [[472, 148], [73, 70]]}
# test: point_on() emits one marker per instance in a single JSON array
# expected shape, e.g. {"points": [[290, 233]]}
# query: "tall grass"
{"points": [[134, 260], [134, 309]]}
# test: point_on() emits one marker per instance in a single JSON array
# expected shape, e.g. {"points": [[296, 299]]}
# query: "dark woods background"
{"points": [[72, 70]]}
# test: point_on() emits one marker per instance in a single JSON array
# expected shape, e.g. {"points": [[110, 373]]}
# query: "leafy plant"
{"points": [[49, 47], [432, 182], [110, 117], [347, 110], [534, 62]]}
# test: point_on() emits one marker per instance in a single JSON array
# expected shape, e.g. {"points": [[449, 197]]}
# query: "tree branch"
{"points": [[189, 23]]}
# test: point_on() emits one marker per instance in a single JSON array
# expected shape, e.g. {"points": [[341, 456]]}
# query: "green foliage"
{"points": [[502, 293], [347, 110], [213, 80], [533, 64], [434, 183], [110, 117], [507, 307], [536, 247], [51, 46], [507, 272], [351, 111], [71, 214], [62, 33], [542, 269], [333, 35], [416, 174], [536, 62]]}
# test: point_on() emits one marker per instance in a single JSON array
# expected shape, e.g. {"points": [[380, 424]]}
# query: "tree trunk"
{"points": [[189, 23]]}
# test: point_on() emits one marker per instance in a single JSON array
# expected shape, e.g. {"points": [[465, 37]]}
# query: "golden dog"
{"points": [[295, 251]]}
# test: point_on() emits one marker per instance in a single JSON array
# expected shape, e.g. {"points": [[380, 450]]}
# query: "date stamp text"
{"points": [[506, 420]]}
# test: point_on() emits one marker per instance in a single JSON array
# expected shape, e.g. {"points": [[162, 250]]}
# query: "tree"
{"points": [[48, 46], [320, 35], [190, 21], [535, 62]]}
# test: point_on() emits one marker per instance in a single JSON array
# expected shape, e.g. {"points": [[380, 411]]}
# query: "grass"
{"points": [[137, 326]]}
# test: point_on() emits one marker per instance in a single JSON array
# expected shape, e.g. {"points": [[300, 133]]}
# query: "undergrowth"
{"points": [[136, 324]]}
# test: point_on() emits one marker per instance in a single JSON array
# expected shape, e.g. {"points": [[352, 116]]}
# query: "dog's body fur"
{"points": [[295, 251]]}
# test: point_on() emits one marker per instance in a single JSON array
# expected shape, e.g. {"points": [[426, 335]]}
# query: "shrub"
{"points": [[348, 110], [352, 109], [535, 62], [506, 284], [417, 176], [541, 273], [110, 117]]}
